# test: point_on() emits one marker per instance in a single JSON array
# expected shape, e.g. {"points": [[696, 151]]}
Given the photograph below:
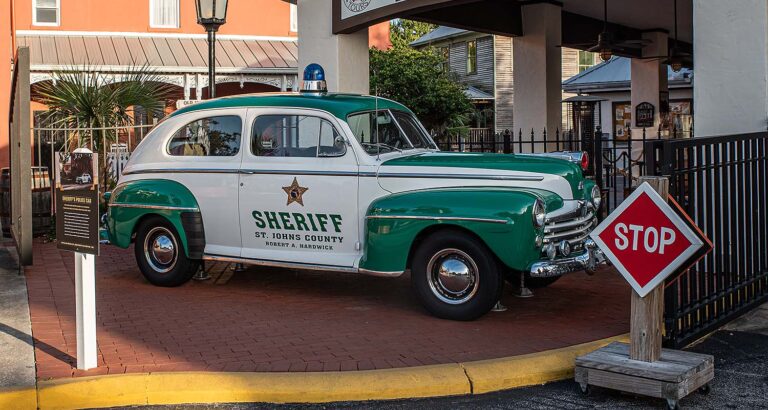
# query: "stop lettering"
{"points": [[645, 239], [654, 240]]}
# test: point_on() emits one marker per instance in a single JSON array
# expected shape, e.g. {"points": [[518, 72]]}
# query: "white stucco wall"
{"points": [[344, 57], [731, 65], [537, 66]]}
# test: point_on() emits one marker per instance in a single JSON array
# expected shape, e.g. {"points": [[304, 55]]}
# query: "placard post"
{"points": [[77, 230], [85, 295]]}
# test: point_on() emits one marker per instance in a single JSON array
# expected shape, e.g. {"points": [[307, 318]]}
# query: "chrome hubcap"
{"points": [[160, 249], [453, 276]]}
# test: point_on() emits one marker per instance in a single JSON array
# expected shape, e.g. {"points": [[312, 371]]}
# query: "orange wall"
{"points": [[244, 17], [378, 36], [6, 54]]}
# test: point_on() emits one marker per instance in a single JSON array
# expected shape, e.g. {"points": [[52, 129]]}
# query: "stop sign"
{"points": [[646, 239]]}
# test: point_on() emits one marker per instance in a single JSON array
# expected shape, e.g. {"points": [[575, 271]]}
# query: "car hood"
{"points": [[503, 169]]}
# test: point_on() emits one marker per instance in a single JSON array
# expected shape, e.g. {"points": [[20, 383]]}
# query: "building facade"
{"points": [[610, 81], [484, 64], [256, 50]]}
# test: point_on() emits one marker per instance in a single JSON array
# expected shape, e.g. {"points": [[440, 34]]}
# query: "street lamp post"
{"points": [[211, 14]]}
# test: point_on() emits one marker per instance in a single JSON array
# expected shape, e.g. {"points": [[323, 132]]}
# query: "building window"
{"points": [[445, 56], [471, 57], [164, 13], [586, 60], [46, 12], [294, 18]]}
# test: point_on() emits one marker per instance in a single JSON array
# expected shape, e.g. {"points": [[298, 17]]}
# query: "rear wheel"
{"points": [[455, 276], [160, 255]]}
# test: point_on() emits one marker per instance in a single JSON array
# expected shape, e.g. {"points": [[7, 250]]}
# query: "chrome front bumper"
{"points": [[588, 260]]}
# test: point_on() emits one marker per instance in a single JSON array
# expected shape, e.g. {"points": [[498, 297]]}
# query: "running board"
{"points": [[291, 265]]}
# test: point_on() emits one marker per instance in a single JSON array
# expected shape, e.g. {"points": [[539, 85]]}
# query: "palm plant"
{"points": [[83, 97]]}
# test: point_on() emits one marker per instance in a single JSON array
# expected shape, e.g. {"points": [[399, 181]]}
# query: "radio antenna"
{"points": [[376, 113]]}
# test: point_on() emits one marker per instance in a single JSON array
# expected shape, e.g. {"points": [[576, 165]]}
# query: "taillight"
{"points": [[584, 161]]}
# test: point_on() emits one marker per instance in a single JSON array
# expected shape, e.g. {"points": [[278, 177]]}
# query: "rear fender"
{"points": [[132, 201]]}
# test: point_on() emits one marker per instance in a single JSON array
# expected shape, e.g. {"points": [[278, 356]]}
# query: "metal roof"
{"points": [[477, 94], [615, 75], [183, 54], [338, 104], [440, 33]]}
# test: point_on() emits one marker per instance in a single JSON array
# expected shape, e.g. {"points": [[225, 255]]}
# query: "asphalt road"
{"points": [[741, 382]]}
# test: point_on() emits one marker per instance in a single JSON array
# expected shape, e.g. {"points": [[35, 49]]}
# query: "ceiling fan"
{"points": [[676, 58], [607, 45]]}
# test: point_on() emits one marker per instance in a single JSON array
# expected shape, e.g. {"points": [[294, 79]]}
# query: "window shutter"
{"points": [[164, 13]]}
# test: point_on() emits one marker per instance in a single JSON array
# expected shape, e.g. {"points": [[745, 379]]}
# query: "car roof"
{"points": [[338, 104]]}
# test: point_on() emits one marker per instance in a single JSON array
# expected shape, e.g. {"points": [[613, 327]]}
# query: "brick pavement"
{"points": [[271, 320]]}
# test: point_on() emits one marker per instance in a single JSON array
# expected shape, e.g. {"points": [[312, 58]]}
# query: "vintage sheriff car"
{"points": [[353, 183]]}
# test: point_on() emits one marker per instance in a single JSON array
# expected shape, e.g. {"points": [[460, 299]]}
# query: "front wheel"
{"points": [[160, 255], [455, 276]]}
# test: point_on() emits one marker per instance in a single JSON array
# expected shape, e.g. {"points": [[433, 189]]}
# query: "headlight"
{"points": [[596, 196], [539, 213]]}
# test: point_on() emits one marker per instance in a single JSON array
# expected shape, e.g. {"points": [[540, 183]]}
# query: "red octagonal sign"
{"points": [[646, 239]]}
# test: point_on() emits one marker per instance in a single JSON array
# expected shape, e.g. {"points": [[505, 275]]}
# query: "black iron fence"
{"points": [[615, 162], [721, 183]]}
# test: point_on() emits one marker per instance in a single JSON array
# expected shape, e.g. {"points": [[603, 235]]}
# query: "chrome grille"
{"points": [[573, 226]]}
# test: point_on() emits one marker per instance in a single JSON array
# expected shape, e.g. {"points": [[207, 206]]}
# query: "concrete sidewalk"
{"points": [[17, 354], [755, 321]]}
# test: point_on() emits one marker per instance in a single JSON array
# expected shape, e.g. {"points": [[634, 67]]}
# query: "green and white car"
{"points": [[349, 183]]}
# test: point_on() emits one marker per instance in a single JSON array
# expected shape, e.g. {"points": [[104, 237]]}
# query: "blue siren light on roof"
{"points": [[314, 79]]}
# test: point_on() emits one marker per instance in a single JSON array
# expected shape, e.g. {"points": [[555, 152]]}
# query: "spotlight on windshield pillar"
{"points": [[606, 54], [314, 79]]}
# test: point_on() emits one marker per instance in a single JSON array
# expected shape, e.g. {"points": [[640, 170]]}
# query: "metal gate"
{"points": [[721, 183]]}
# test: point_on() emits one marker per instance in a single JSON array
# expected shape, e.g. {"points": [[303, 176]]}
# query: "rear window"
{"points": [[208, 137]]}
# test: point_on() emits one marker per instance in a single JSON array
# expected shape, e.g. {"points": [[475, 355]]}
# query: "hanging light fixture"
{"points": [[675, 60], [606, 54]]}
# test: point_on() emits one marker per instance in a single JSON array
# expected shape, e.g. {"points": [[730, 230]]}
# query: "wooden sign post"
{"points": [[647, 242]]}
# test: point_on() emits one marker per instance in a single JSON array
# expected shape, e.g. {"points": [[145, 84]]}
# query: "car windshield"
{"points": [[388, 130]]}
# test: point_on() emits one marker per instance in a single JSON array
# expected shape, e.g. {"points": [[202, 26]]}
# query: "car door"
{"points": [[204, 153], [298, 189]]}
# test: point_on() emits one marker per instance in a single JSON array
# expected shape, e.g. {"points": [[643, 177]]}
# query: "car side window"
{"points": [[208, 137], [295, 136]]}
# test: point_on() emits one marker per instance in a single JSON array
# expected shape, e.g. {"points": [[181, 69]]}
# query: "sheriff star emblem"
{"points": [[295, 192]]}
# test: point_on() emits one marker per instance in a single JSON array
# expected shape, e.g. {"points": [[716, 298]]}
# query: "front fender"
{"points": [[501, 217], [133, 200]]}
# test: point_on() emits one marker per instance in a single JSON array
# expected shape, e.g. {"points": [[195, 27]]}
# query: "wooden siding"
{"points": [[482, 79], [505, 84], [494, 71], [570, 57]]}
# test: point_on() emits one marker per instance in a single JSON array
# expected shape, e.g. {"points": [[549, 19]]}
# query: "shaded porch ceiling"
{"points": [[582, 20]]}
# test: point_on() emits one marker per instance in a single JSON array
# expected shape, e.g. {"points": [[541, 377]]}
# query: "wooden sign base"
{"points": [[674, 376]]}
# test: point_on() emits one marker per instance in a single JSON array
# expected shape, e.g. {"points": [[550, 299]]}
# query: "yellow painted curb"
{"points": [[21, 398], [208, 387], [526, 370]]}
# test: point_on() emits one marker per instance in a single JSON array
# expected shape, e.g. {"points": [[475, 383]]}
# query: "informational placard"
{"points": [[77, 202], [644, 115]]}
